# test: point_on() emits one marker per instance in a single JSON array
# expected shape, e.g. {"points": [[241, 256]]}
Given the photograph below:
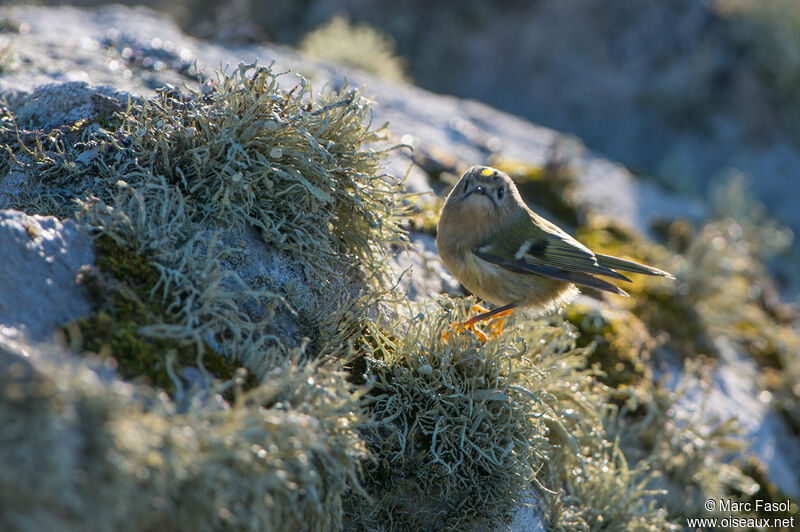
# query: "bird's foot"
{"points": [[495, 327], [462, 327]]}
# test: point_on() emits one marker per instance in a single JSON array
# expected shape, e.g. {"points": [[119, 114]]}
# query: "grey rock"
{"points": [[420, 270], [71, 48], [683, 106], [41, 257], [11, 185], [529, 518], [258, 268], [734, 394], [56, 104]]}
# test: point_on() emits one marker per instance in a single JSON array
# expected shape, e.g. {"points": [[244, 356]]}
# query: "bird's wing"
{"points": [[534, 245], [630, 266]]}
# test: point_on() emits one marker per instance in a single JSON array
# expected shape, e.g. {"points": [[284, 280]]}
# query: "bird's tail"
{"points": [[630, 266]]}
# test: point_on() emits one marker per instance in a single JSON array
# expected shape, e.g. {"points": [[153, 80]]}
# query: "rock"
{"points": [[734, 394], [420, 270], [529, 518], [41, 258], [56, 104], [683, 107], [67, 58]]}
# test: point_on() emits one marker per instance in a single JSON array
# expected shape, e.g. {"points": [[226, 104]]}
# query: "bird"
{"points": [[508, 255]]}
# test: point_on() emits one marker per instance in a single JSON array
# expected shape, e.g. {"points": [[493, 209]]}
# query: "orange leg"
{"points": [[469, 325], [497, 324]]}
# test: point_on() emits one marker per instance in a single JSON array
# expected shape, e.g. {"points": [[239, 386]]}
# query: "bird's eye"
{"points": [[500, 192]]}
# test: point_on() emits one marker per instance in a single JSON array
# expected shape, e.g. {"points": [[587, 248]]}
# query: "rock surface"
{"points": [[41, 259]]}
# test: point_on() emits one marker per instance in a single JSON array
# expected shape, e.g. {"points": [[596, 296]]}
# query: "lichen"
{"points": [[124, 289], [697, 455], [102, 455], [158, 184], [459, 430], [355, 45], [172, 173]]}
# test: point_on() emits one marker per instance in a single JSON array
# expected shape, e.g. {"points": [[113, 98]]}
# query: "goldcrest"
{"points": [[506, 254]]}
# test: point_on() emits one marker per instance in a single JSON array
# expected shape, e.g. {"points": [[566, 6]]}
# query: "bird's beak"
{"points": [[481, 190]]}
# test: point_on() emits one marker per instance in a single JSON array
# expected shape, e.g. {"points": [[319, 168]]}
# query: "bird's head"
{"points": [[484, 191], [483, 200]]}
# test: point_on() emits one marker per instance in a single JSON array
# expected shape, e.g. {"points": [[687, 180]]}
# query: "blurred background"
{"points": [[685, 91]]}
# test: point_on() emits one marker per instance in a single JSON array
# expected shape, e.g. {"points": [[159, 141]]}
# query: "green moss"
{"points": [[549, 187], [666, 307], [7, 57], [622, 346], [125, 295]]}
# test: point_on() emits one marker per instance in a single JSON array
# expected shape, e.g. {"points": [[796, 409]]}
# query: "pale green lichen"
{"points": [[355, 45], [460, 430], [169, 173], [102, 455], [696, 454]]}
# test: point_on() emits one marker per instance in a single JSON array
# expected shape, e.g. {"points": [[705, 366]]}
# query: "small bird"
{"points": [[506, 254]]}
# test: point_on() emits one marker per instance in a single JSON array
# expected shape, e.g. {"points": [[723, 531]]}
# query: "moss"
{"points": [[7, 57], [125, 296], [622, 346], [665, 306], [548, 187], [424, 215], [168, 178]]}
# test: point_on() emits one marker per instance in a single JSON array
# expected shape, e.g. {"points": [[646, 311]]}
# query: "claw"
{"points": [[464, 326], [496, 327]]}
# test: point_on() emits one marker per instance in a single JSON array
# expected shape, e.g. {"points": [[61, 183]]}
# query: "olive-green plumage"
{"points": [[505, 253]]}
